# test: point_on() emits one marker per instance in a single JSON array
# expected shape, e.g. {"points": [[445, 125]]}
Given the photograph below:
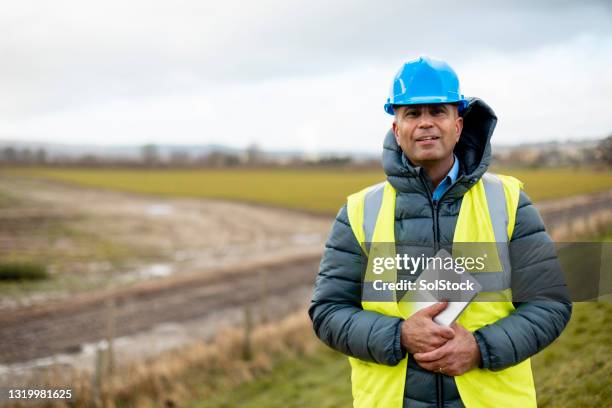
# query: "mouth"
{"points": [[426, 138]]}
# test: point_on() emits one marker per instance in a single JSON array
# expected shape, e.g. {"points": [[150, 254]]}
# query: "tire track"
{"points": [[63, 328]]}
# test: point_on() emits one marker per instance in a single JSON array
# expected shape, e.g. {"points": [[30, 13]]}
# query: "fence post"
{"points": [[247, 351], [110, 335], [264, 295]]}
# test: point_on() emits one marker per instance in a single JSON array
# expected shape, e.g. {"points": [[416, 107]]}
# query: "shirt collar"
{"points": [[454, 171], [452, 174]]}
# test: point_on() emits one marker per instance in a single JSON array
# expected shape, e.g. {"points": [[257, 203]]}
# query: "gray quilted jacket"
{"points": [[335, 307]]}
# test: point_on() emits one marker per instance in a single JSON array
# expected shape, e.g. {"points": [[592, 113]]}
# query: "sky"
{"points": [[310, 75]]}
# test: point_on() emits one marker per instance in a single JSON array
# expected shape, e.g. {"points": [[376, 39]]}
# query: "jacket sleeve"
{"points": [[542, 304], [335, 308]]}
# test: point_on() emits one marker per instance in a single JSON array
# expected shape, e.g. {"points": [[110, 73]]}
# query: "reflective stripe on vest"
{"points": [[487, 215]]}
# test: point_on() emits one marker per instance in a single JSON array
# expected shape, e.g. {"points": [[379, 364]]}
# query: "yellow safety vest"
{"points": [[487, 215]]}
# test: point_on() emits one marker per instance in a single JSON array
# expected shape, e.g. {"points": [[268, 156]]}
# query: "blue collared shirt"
{"points": [[447, 181]]}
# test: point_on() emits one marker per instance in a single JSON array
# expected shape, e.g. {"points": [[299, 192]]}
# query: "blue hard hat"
{"points": [[423, 81]]}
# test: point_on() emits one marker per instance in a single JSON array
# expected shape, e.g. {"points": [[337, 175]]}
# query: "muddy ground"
{"points": [[92, 239]]}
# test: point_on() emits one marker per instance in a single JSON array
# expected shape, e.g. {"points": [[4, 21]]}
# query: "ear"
{"points": [[458, 127], [396, 132]]}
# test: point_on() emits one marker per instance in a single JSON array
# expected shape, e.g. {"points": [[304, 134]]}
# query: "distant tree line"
{"points": [[545, 155], [151, 157], [557, 155], [12, 155]]}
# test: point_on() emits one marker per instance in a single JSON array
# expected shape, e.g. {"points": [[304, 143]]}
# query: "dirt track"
{"points": [[93, 239], [63, 326], [577, 216]]}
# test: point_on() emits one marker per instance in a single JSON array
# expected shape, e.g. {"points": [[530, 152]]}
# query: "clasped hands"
{"points": [[449, 350]]}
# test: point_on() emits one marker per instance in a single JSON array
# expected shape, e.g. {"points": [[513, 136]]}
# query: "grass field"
{"points": [[316, 190], [575, 371]]}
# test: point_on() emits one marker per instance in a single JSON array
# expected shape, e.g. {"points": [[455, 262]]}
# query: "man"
{"points": [[435, 157]]}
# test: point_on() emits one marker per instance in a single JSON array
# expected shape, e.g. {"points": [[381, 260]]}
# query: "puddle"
{"points": [[157, 210], [156, 270]]}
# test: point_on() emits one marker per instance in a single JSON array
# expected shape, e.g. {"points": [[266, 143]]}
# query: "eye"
{"points": [[411, 113], [436, 110]]}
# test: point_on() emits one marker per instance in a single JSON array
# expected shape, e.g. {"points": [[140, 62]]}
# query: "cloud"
{"points": [[555, 92], [115, 71]]}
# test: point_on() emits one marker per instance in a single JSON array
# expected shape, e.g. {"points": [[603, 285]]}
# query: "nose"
{"points": [[425, 120]]}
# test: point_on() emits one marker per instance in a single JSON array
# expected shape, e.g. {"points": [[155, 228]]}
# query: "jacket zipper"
{"points": [[434, 213], [439, 384], [436, 234]]}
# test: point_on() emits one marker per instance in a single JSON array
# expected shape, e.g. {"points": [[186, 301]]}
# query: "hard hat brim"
{"points": [[461, 103]]}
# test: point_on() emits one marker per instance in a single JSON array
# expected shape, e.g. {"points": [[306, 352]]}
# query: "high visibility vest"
{"points": [[487, 215]]}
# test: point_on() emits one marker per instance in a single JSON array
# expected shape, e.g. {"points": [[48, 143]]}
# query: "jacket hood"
{"points": [[473, 151]]}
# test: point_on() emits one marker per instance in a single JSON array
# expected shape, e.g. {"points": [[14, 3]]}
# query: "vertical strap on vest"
{"points": [[372, 203], [371, 208], [498, 211], [496, 201], [363, 209]]}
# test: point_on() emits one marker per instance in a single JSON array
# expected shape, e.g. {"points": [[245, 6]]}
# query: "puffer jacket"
{"points": [[335, 309]]}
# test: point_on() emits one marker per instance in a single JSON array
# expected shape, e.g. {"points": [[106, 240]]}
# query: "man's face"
{"points": [[427, 133]]}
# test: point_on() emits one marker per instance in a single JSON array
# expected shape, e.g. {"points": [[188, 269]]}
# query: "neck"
{"points": [[438, 169]]}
